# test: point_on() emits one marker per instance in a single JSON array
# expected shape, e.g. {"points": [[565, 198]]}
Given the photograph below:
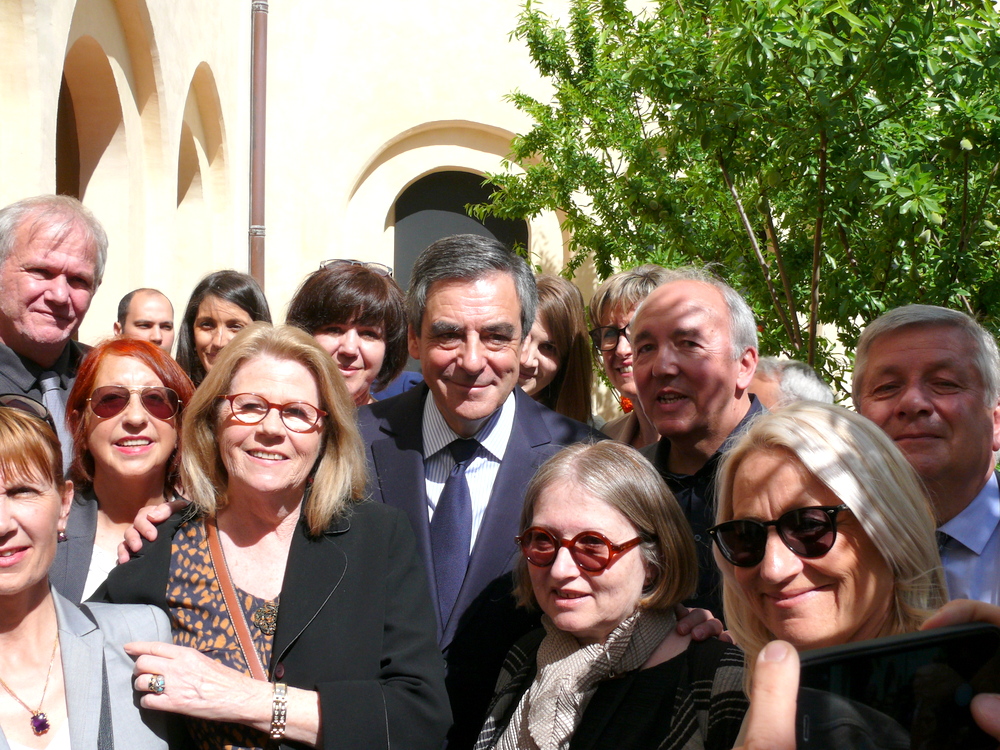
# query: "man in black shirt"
{"points": [[694, 352]]}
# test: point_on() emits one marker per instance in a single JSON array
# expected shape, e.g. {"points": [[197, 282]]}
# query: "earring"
{"points": [[62, 536]]}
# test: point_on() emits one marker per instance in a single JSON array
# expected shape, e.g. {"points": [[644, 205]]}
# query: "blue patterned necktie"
{"points": [[451, 528]]}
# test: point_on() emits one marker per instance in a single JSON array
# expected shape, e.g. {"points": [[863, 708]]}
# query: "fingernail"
{"points": [[775, 651], [989, 702]]}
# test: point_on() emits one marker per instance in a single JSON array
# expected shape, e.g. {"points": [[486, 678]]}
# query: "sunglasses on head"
{"points": [[591, 551], [808, 532], [110, 400], [380, 268], [27, 405]]}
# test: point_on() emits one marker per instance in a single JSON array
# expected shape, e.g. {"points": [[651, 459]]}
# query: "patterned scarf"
{"points": [[568, 674]]}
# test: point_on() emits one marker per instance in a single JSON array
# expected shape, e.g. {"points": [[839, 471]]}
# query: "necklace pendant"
{"points": [[39, 723], [266, 618]]}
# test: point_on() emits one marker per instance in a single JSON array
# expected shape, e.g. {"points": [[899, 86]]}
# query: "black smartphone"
{"points": [[902, 692]]}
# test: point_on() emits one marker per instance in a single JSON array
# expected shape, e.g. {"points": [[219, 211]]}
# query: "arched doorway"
{"points": [[434, 207]]}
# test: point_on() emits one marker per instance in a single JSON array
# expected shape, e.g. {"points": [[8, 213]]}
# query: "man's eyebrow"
{"points": [[441, 327], [504, 329], [642, 335]]}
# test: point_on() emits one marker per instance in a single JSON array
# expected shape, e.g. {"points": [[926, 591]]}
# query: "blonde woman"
{"points": [[824, 533]]}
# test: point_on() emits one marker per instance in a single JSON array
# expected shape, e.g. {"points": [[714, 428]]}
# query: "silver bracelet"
{"points": [[279, 710]]}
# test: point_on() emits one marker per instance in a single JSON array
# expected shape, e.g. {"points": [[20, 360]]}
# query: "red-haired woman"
{"points": [[124, 412]]}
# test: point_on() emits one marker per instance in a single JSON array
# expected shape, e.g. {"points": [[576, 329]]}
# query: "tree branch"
{"points": [[756, 249], [772, 241], [817, 247]]}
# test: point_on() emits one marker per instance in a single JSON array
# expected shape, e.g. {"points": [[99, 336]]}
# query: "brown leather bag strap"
{"points": [[236, 615]]}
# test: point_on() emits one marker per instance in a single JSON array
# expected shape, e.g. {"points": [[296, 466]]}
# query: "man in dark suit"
{"points": [[52, 254], [470, 304]]}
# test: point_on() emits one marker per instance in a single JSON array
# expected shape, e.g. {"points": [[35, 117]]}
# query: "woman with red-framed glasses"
{"points": [[824, 535], [606, 554], [124, 412]]}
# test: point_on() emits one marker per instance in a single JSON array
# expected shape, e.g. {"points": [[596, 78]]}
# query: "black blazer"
{"points": [[355, 624], [485, 622]]}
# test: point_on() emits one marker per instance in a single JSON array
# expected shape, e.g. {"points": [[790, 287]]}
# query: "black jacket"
{"points": [[355, 624]]}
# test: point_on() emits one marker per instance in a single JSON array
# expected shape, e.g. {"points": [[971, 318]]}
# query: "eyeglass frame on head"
{"points": [[380, 268], [280, 407], [831, 511], [597, 334], [614, 550], [141, 390], [27, 405]]}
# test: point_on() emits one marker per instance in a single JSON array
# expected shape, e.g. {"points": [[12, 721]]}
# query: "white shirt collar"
{"points": [[493, 435]]}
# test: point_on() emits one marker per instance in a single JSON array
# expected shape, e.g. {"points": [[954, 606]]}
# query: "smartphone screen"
{"points": [[902, 692]]}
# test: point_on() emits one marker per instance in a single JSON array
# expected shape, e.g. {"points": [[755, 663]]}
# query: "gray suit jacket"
{"points": [[83, 644], [68, 573]]}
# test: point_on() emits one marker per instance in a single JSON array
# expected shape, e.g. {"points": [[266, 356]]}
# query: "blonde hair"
{"points": [[339, 474], [867, 472], [618, 475]]}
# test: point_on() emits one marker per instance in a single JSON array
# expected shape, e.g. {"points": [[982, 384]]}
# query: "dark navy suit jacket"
{"points": [[485, 622]]}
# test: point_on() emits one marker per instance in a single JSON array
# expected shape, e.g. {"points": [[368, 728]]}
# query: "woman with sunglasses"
{"points": [[301, 615], [606, 555], [611, 311], [556, 366], [124, 413], [825, 535], [355, 311], [221, 305], [65, 679]]}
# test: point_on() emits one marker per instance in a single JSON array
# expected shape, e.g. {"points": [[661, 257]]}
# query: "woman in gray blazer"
{"points": [[63, 672]]}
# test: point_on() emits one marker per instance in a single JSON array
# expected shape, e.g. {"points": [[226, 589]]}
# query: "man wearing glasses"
{"points": [[694, 352], [456, 453], [930, 378], [52, 255]]}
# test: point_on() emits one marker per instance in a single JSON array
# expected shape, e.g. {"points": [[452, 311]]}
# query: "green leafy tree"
{"points": [[834, 158]]}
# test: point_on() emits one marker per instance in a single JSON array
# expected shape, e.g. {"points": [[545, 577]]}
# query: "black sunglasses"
{"points": [[606, 338], [808, 532]]}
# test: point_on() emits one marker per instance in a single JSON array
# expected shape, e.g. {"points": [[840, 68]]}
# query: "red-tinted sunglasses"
{"points": [[591, 551]]}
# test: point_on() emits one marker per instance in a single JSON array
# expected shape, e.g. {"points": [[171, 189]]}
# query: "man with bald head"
{"points": [[930, 378], [694, 351], [52, 256], [148, 315]]}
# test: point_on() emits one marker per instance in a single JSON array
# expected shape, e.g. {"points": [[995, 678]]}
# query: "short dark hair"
{"points": [[126, 302], [229, 285], [467, 257], [352, 294]]}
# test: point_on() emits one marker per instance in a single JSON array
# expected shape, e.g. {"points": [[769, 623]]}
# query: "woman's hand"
{"points": [[770, 723], [195, 685], [144, 527]]}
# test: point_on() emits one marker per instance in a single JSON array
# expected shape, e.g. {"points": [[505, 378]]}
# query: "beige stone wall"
{"points": [[363, 99]]}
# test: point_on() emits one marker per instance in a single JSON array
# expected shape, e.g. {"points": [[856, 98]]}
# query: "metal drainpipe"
{"points": [[258, 100]]}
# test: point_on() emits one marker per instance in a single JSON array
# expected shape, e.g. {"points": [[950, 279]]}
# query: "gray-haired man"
{"points": [[930, 378]]}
